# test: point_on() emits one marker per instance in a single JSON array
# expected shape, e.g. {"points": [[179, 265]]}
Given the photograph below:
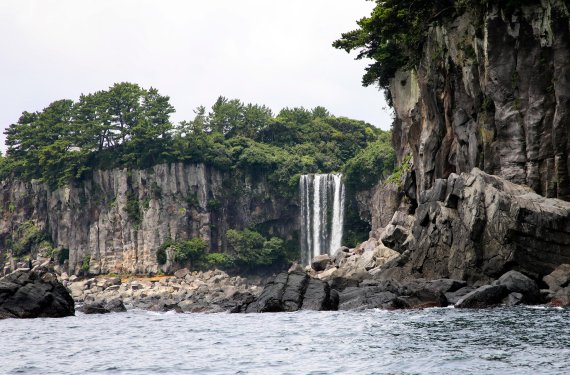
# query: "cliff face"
{"points": [[486, 117], [492, 91], [118, 218]]}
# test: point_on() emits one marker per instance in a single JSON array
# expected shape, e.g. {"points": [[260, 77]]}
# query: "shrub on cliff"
{"points": [[27, 238], [371, 164], [250, 251]]}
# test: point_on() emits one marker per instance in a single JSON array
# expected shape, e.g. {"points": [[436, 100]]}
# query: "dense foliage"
{"points": [[248, 251], [393, 35], [129, 126], [371, 164]]}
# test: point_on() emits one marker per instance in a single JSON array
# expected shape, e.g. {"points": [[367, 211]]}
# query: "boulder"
{"points": [[345, 277], [102, 307], [318, 297], [340, 255], [366, 297], [395, 235], [484, 296], [559, 278], [34, 294], [320, 262], [561, 298], [513, 299], [516, 282], [454, 297], [181, 273]]}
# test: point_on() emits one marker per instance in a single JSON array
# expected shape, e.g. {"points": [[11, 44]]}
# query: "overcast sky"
{"points": [[272, 52]]}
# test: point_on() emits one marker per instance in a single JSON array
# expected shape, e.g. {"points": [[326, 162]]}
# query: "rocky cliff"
{"points": [[492, 91], [485, 117], [118, 218]]}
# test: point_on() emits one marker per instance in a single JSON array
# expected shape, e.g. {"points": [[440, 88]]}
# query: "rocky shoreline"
{"points": [[41, 293], [185, 291]]}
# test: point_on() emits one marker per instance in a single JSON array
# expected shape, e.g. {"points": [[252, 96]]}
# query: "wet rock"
{"points": [[34, 294], [318, 297], [561, 297], [454, 297], [484, 296], [102, 307], [513, 299], [368, 297], [346, 277]]}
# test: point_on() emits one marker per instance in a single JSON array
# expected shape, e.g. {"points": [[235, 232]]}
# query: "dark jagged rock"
{"points": [[513, 299], [475, 227], [561, 298], [34, 294], [394, 295], [347, 277], [454, 297], [318, 297], [292, 292], [366, 297], [102, 307], [484, 296], [521, 285]]}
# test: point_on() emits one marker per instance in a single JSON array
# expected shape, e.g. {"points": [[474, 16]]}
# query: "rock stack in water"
{"points": [[34, 294]]}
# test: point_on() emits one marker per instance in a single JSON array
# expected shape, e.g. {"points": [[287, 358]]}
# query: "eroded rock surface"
{"points": [[34, 294], [475, 227], [492, 91]]}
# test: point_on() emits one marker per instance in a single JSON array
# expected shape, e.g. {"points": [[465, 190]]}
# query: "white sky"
{"points": [[276, 53]]}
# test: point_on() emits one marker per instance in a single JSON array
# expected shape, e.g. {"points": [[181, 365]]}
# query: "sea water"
{"points": [[521, 340]]}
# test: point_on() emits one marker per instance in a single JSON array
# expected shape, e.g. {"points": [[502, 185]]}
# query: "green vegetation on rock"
{"points": [[29, 239], [371, 164], [129, 126], [248, 251], [393, 35]]}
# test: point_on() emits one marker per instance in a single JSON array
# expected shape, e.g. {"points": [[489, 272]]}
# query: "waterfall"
{"points": [[322, 214]]}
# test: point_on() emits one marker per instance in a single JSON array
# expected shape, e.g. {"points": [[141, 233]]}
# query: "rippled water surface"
{"points": [[436, 341]]}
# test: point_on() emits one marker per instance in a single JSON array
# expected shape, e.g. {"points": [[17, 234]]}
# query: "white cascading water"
{"points": [[321, 228]]}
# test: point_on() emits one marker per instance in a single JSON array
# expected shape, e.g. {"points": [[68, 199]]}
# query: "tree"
{"points": [[226, 116], [189, 251], [250, 250]]}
